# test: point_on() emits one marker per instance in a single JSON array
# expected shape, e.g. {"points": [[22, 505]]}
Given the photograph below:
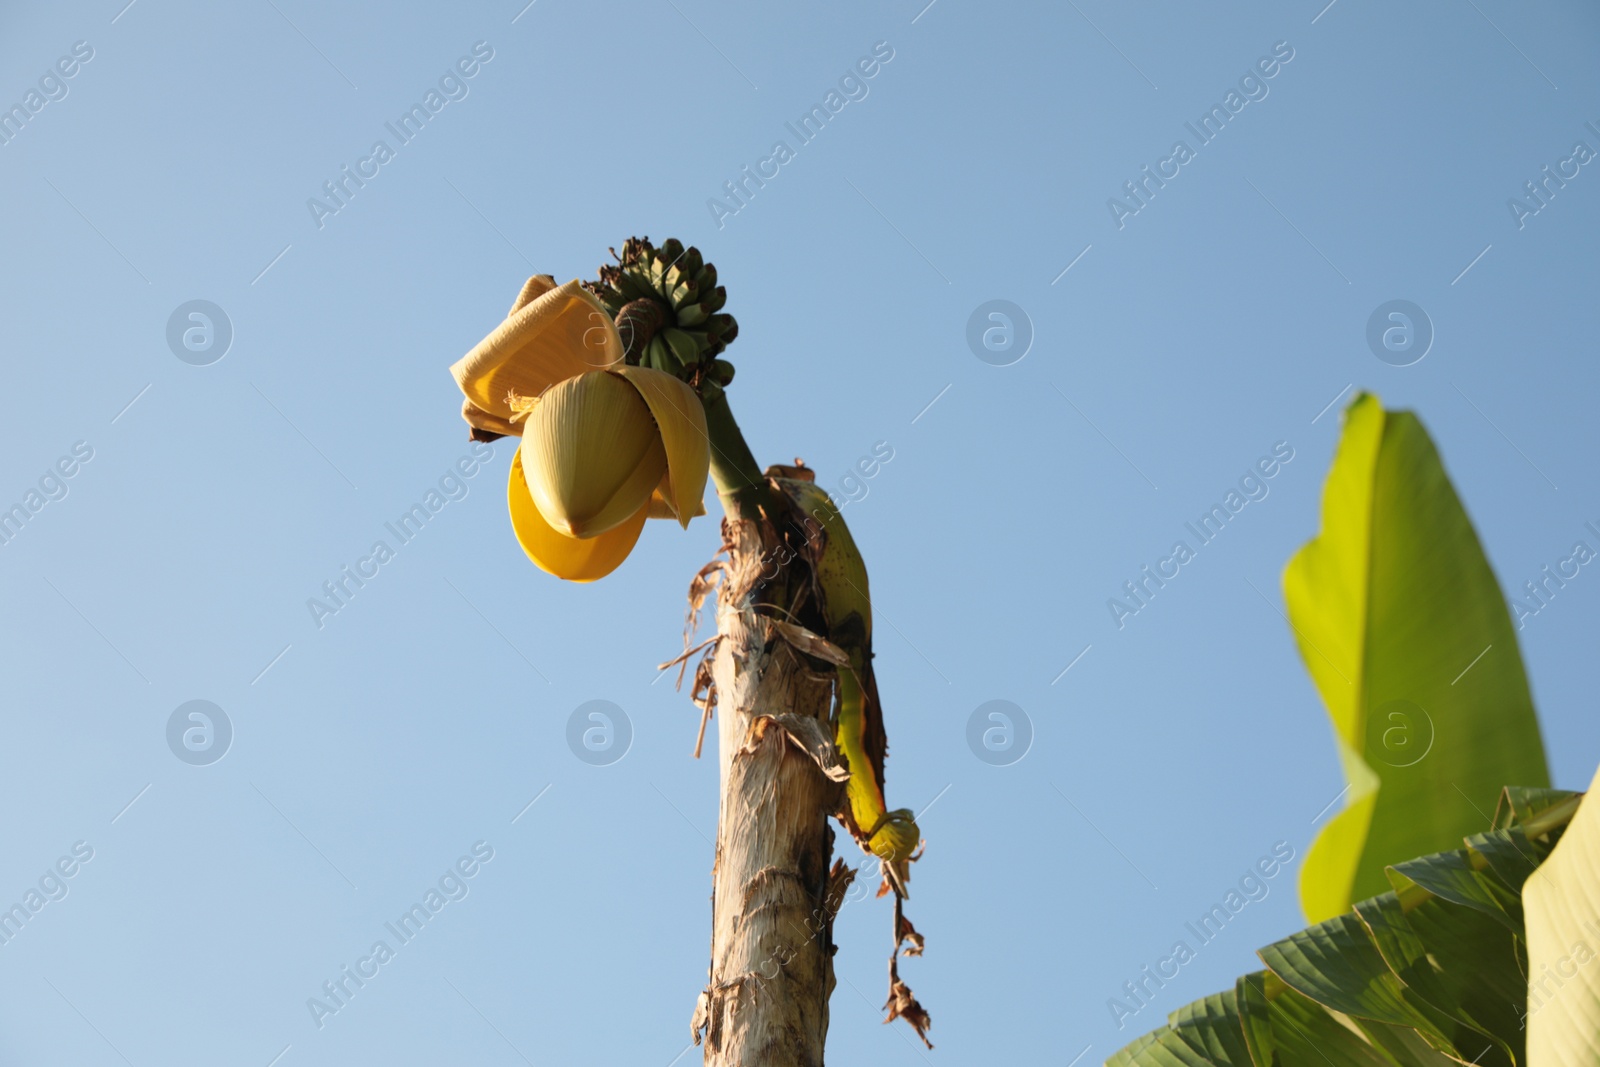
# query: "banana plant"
{"points": [[1408, 639], [617, 389], [1477, 955], [1476, 952]]}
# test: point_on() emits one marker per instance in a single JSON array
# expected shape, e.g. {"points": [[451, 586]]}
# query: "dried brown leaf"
{"points": [[702, 1015], [906, 932], [903, 1005], [811, 644], [682, 659], [840, 875], [700, 587], [704, 694], [807, 735]]}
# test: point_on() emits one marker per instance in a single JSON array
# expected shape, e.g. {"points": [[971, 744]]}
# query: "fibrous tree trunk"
{"points": [[774, 895]]}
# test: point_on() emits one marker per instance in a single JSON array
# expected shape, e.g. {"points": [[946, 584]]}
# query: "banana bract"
{"points": [[604, 445], [591, 454]]}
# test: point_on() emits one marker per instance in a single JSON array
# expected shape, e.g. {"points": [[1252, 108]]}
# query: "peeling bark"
{"points": [[774, 895]]}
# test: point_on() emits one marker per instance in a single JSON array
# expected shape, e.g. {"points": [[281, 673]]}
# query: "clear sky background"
{"points": [[371, 753]]}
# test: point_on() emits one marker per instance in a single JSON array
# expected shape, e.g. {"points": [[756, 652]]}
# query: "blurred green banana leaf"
{"points": [[1409, 641]]}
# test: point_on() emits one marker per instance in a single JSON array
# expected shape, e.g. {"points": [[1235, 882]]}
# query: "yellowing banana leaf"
{"points": [[1407, 637], [1561, 902]]}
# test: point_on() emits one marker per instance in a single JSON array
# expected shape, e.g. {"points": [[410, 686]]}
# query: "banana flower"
{"points": [[605, 445]]}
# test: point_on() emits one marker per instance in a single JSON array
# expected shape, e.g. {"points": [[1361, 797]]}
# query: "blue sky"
{"points": [[370, 755]]}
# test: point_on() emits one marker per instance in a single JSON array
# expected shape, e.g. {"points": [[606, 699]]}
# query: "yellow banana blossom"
{"points": [[604, 445]]}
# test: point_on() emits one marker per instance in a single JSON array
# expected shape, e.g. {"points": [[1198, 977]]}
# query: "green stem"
{"points": [[741, 485]]}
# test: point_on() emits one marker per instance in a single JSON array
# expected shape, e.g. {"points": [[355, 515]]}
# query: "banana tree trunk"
{"points": [[774, 894], [773, 902]]}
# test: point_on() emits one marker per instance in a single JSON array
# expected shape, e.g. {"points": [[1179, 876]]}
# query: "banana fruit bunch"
{"points": [[668, 307]]}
